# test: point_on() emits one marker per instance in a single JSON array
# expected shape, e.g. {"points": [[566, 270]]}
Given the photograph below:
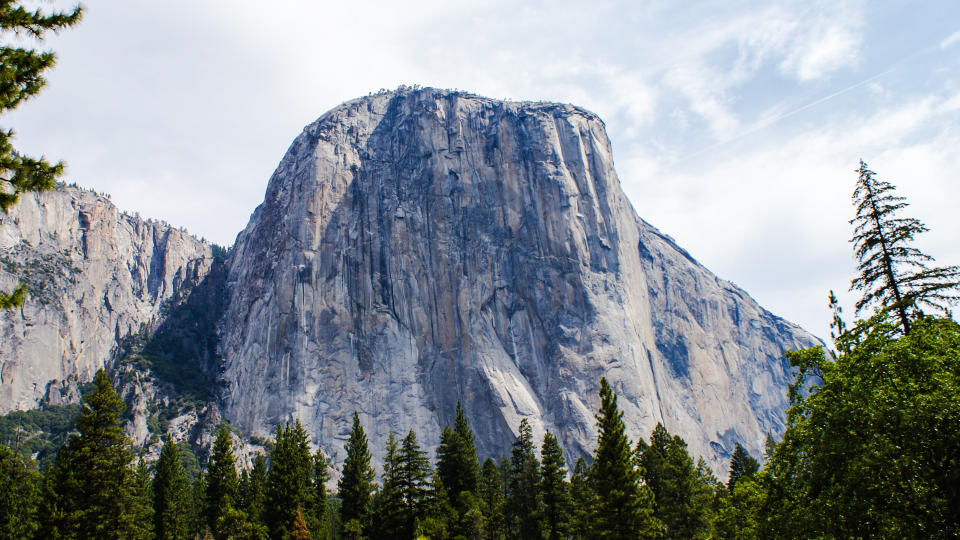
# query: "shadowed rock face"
{"points": [[419, 248], [96, 275]]}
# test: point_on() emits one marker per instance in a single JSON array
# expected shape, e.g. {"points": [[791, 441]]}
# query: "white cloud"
{"points": [[950, 40]]}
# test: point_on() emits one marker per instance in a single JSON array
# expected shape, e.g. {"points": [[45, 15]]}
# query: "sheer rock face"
{"points": [[416, 249], [96, 275]]}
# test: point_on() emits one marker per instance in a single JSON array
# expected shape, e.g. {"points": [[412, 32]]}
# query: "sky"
{"points": [[736, 126]]}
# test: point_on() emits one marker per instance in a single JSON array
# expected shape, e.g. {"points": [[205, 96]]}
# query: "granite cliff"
{"points": [[96, 276], [422, 247]]}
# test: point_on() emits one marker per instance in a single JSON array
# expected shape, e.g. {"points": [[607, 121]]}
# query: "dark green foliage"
{"points": [[21, 77], [457, 462], [554, 489], [683, 500], [321, 475], [490, 490], [182, 351], [198, 494], [222, 482], [19, 495], [872, 450], [91, 492], [524, 503], [172, 502], [39, 432], [583, 501], [142, 508], [388, 502], [289, 482], [440, 516], [742, 465], [414, 483], [355, 486], [893, 273], [624, 506]]}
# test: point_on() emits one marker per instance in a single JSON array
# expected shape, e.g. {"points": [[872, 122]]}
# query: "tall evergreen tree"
{"points": [[321, 475], [388, 507], [92, 482], [142, 508], [198, 495], [457, 462], [222, 482], [19, 495], [624, 505], [356, 483], [171, 495], [893, 273], [289, 482], [414, 482], [554, 489], [490, 490], [523, 500], [742, 465], [683, 502], [583, 501], [22, 78]]}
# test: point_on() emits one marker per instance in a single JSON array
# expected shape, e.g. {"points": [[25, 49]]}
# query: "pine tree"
{"points": [[300, 530], [624, 506], [289, 482], [893, 273], [142, 509], [523, 496], [457, 462], [388, 508], [22, 78], [414, 482], [683, 502], [321, 475], [440, 516], [222, 482], [554, 489], [742, 465], [92, 485], [171, 495], [19, 495], [356, 483], [583, 501], [490, 490], [198, 495]]}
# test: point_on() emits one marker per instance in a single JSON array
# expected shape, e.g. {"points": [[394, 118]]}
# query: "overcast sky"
{"points": [[736, 129]]}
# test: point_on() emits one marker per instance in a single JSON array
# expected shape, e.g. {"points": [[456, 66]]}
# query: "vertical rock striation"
{"points": [[96, 275], [419, 248]]}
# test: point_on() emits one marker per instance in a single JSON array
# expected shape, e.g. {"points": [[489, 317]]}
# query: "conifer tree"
{"points": [[742, 465], [289, 482], [414, 482], [321, 475], [523, 499], [893, 273], [490, 490], [554, 489], [142, 508], [198, 495], [300, 530], [388, 508], [683, 502], [440, 516], [222, 482], [92, 484], [457, 462], [22, 78], [19, 495], [356, 483], [171, 495], [624, 506], [583, 501]]}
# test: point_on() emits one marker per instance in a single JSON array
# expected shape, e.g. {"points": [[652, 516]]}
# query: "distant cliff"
{"points": [[419, 248], [97, 276]]}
